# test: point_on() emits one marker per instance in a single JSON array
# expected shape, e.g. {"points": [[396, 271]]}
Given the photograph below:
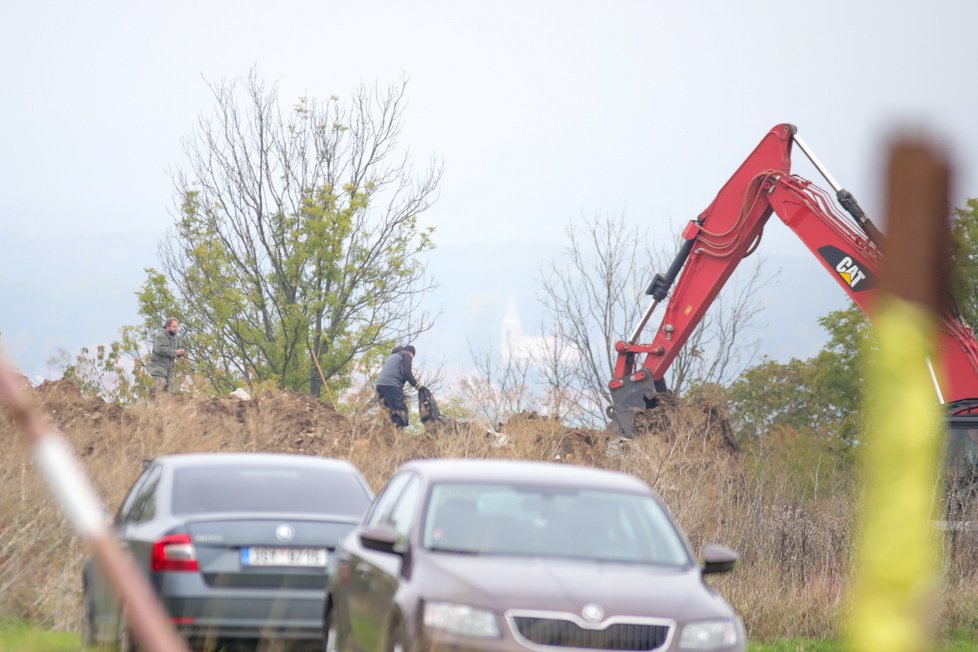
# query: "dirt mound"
{"points": [[40, 558], [282, 421], [71, 411], [674, 416], [275, 421], [554, 440]]}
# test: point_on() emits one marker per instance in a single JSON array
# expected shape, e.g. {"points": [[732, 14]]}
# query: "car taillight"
{"points": [[174, 553]]}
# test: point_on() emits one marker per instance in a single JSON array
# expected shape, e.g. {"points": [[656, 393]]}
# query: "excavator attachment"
{"points": [[633, 399]]}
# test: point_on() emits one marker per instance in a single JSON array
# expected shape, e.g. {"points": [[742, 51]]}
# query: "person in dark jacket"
{"points": [[390, 383], [166, 350]]}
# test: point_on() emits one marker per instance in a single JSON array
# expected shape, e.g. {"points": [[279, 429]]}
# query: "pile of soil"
{"points": [[293, 422], [289, 421], [41, 558]]}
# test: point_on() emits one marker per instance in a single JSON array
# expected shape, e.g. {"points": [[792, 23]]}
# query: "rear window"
{"points": [[266, 488]]}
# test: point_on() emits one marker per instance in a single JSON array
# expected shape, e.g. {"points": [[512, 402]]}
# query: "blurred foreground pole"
{"points": [[893, 603], [78, 501]]}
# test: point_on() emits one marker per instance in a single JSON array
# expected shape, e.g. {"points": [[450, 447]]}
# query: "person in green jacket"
{"points": [[166, 350]]}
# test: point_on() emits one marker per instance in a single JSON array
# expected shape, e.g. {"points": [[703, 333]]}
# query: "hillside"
{"points": [[40, 559], [794, 550]]}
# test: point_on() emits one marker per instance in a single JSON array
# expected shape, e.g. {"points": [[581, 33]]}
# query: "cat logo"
{"points": [[850, 272], [855, 274]]}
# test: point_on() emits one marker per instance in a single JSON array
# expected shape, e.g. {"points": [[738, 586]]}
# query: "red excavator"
{"points": [[728, 231]]}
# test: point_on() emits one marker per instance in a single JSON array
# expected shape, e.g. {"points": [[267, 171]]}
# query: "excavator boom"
{"points": [[729, 230]]}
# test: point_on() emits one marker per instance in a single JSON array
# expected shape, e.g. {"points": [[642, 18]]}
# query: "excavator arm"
{"points": [[729, 230]]}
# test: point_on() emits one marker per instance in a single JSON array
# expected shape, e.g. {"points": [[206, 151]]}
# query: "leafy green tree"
{"points": [[838, 369], [296, 247], [116, 372], [964, 260], [821, 395], [100, 373]]}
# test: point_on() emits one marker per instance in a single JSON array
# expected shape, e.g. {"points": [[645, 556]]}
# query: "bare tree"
{"points": [[500, 388], [590, 295], [594, 295], [296, 242], [720, 347], [555, 363]]}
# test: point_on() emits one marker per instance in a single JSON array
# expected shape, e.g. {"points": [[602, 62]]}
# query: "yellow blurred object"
{"points": [[897, 547]]}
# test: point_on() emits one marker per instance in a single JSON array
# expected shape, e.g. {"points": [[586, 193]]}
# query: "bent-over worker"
{"points": [[390, 383]]}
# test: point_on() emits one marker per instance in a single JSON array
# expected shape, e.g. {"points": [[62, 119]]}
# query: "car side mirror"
{"points": [[718, 559], [381, 539]]}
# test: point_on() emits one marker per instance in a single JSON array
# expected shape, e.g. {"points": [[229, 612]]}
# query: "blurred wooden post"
{"points": [[79, 502], [897, 548]]}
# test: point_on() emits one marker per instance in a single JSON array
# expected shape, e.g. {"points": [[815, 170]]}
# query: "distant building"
{"points": [[515, 345], [511, 337]]}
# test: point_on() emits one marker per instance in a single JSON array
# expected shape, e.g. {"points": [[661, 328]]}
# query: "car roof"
{"points": [[186, 460], [524, 472]]}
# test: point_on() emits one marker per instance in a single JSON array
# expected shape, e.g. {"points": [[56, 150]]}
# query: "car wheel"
{"points": [[329, 632], [88, 620]]}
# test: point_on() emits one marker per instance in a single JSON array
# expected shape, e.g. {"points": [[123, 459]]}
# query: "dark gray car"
{"points": [[236, 544], [505, 555]]}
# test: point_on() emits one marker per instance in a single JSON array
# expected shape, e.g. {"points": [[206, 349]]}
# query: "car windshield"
{"points": [[492, 519], [205, 489]]}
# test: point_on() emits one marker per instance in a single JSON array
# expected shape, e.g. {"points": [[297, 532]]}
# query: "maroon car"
{"points": [[508, 555]]}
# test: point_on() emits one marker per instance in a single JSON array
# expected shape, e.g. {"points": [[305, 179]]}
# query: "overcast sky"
{"points": [[540, 111]]}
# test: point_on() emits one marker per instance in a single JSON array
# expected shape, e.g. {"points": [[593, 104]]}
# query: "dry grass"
{"points": [[794, 545]]}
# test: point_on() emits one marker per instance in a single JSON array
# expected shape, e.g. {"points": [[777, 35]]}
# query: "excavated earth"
{"points": [[41, 559]]}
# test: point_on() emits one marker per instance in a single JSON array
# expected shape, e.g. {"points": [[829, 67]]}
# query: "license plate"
{"points": [[315, 557]]}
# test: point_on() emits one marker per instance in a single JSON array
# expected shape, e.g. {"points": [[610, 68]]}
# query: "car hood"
{"points": [[504, 583]]}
